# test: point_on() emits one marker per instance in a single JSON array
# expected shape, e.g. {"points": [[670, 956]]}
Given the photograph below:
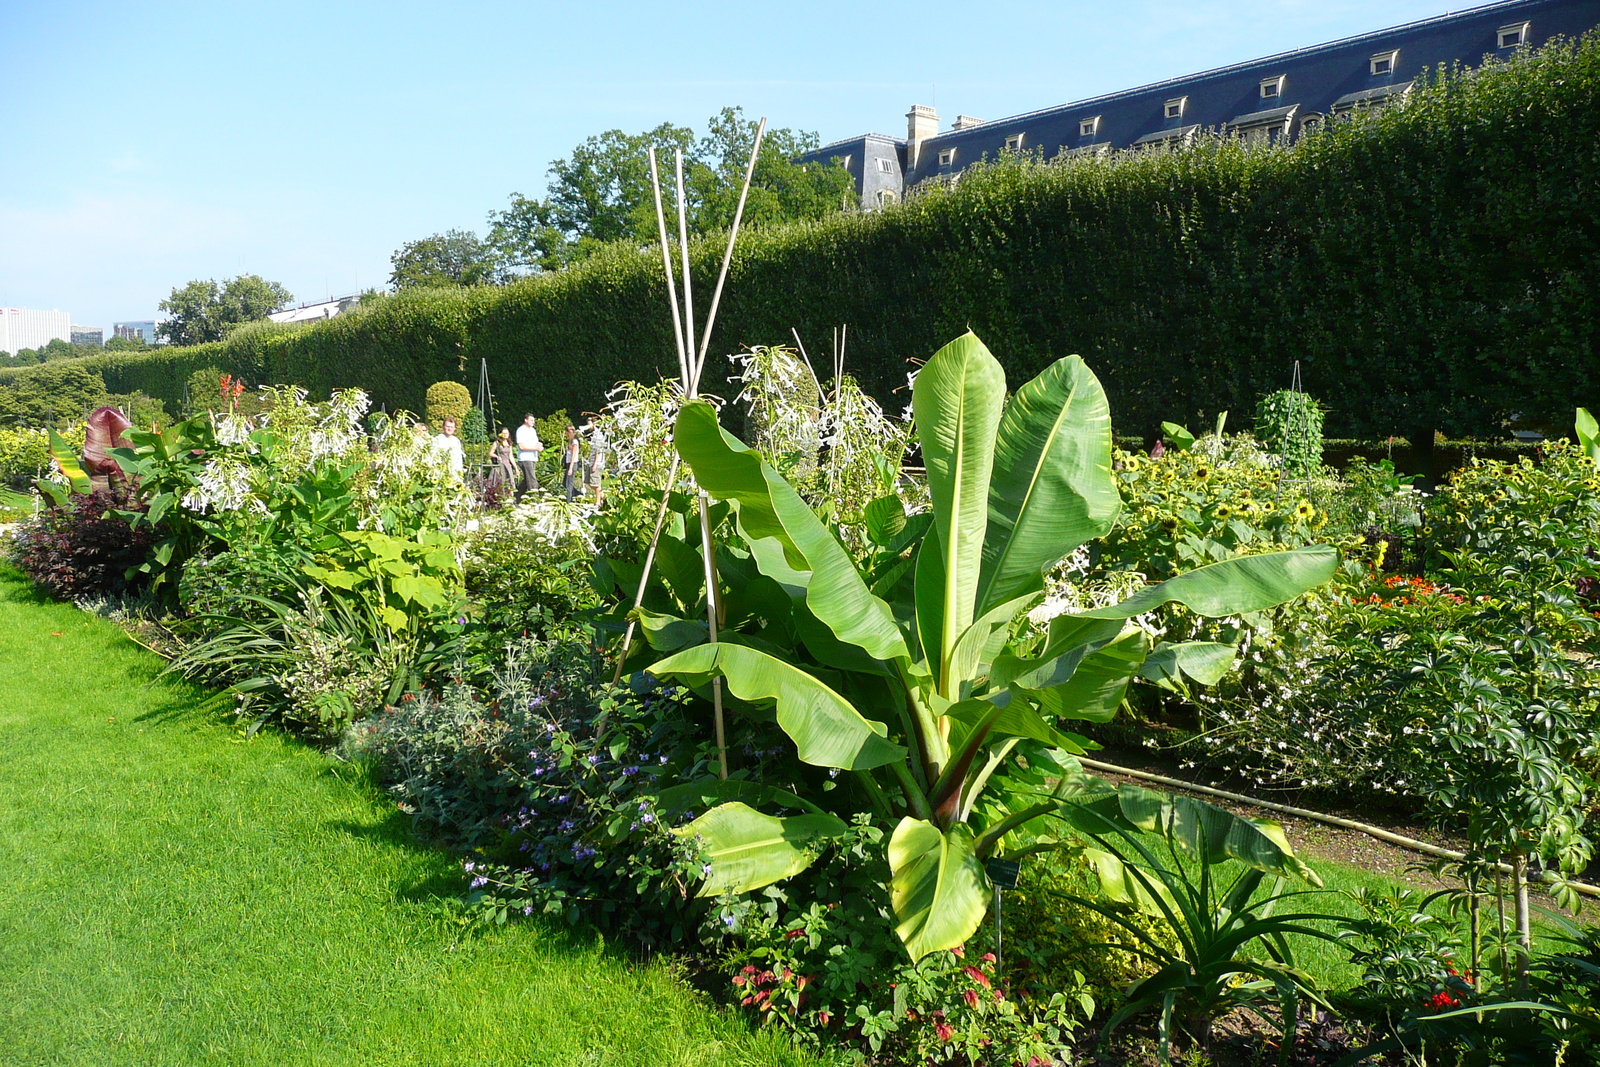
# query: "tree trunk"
{"points": [[1519, 875]]}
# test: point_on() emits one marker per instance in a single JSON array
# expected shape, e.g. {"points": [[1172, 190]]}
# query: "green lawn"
{"points": [[171, 893]]}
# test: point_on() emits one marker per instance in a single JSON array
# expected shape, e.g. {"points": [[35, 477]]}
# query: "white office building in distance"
{"points": [[21, 328]]}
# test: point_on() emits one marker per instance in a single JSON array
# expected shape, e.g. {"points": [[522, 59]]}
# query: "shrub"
{"points": [[555, 781], [1290, 424], [447, 400], [24, 455], [83, 548], [528, 568]]}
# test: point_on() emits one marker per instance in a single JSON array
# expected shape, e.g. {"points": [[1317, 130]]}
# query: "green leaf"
{"points": [[1204, 831], [956, 400], [69, 464], [346, 580], [1204, 661], [1014, 719], [1588, 434], [826, 729], [937, 887], [748, 850], [1096, 688], [707, 792], [770, 510], [1234, 586], [884, 518], [1052, 487], [1177, 437], [668, 633]]}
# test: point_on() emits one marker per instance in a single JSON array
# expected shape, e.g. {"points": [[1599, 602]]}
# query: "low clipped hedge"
{"points": [[1433, 266]]}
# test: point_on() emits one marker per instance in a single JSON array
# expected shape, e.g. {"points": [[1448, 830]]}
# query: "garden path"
{"points": [[171, 893]]}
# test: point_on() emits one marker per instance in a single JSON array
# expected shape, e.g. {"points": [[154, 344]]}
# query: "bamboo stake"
{"points": [[644, 575], [693, 380], [666, 265], [678, 336], [727, 256], [807, 358]]}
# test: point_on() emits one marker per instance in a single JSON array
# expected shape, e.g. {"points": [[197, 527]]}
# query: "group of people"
{"points": [[506, 456]]}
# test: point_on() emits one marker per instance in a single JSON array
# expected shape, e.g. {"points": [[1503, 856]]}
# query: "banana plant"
{"points": [[921, 685]]}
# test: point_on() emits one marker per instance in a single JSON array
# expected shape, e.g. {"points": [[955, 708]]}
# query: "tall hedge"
{"points": [[1435, 265]]}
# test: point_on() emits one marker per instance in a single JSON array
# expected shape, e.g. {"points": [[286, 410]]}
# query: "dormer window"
{"points": [[1014, 143], [1175, 108], [1089, 127], [947, 156], [1272, 88], [886, 166], [1513, 35], [1383, 62]]}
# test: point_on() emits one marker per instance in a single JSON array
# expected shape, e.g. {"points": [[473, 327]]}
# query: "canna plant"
{"points": [[918, 682]]}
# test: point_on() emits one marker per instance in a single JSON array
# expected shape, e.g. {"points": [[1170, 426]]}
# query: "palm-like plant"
{"points": [[923, 688]]}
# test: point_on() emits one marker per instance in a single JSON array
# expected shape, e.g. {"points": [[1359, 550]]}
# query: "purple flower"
{"points": [[469, 866], [528, 909], [727, 920], [705, 870], [478, 882]]}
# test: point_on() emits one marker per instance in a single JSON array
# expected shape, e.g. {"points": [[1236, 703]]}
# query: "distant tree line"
{"points": [[601, 195], [59, 349]]}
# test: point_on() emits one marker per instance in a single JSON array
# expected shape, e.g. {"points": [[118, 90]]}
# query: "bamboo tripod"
{"points": [[691, 363]]}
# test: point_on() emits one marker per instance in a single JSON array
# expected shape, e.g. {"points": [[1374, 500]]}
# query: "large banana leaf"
{"points": [[1052, 487], [1234, 586], [936, 886], [957, 399], [1096, 688], [748, 850], [826, 728], [770, 509]]}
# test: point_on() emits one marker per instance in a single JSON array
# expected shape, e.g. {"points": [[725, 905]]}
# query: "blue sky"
{"points": [[153, 143]]}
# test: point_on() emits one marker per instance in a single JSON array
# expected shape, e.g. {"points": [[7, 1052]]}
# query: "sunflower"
{"points": [[1223, 512], [1201, 474], [1304, 512], [1247, 506], [1169, 523]]}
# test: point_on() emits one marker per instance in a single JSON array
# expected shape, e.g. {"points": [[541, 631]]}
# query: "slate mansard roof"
{"points": [[1311, 84]]}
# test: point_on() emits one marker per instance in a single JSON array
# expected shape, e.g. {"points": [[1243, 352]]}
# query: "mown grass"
{"points": [[171, 893]]}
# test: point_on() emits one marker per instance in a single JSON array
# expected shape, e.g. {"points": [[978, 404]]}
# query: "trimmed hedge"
{"points": [[1435, 266]]}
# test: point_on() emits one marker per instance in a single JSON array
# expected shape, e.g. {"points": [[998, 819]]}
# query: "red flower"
{"points": [[971, 997], [944, 1030], [823, 1017], [977, 976], [988, 957], [959, 951], [1442, 999]]}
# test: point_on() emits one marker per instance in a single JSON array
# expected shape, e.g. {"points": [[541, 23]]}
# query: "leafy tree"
{"points": [[601, 193], [205, 310], [126, 344], [445, 260]]}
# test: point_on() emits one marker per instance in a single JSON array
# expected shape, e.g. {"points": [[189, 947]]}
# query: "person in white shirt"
{"points": [[528, 448], [448, 445]]}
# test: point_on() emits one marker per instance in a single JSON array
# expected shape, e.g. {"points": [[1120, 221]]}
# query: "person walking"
{"points": [[571, 451], [595, 469], [528, 448], [448, 445]]}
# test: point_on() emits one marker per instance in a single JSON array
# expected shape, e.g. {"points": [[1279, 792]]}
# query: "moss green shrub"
{"points": [[447, 400]]}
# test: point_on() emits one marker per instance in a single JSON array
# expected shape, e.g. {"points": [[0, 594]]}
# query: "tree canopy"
{"points": [[601, 193], [455, 257], [206, 310]]}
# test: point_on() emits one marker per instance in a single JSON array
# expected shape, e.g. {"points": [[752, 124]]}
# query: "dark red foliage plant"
{"points": [[82, 547]]}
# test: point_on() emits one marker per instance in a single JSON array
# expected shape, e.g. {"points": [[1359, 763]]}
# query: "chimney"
{"points": [[966, 122], [922, 122]]}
